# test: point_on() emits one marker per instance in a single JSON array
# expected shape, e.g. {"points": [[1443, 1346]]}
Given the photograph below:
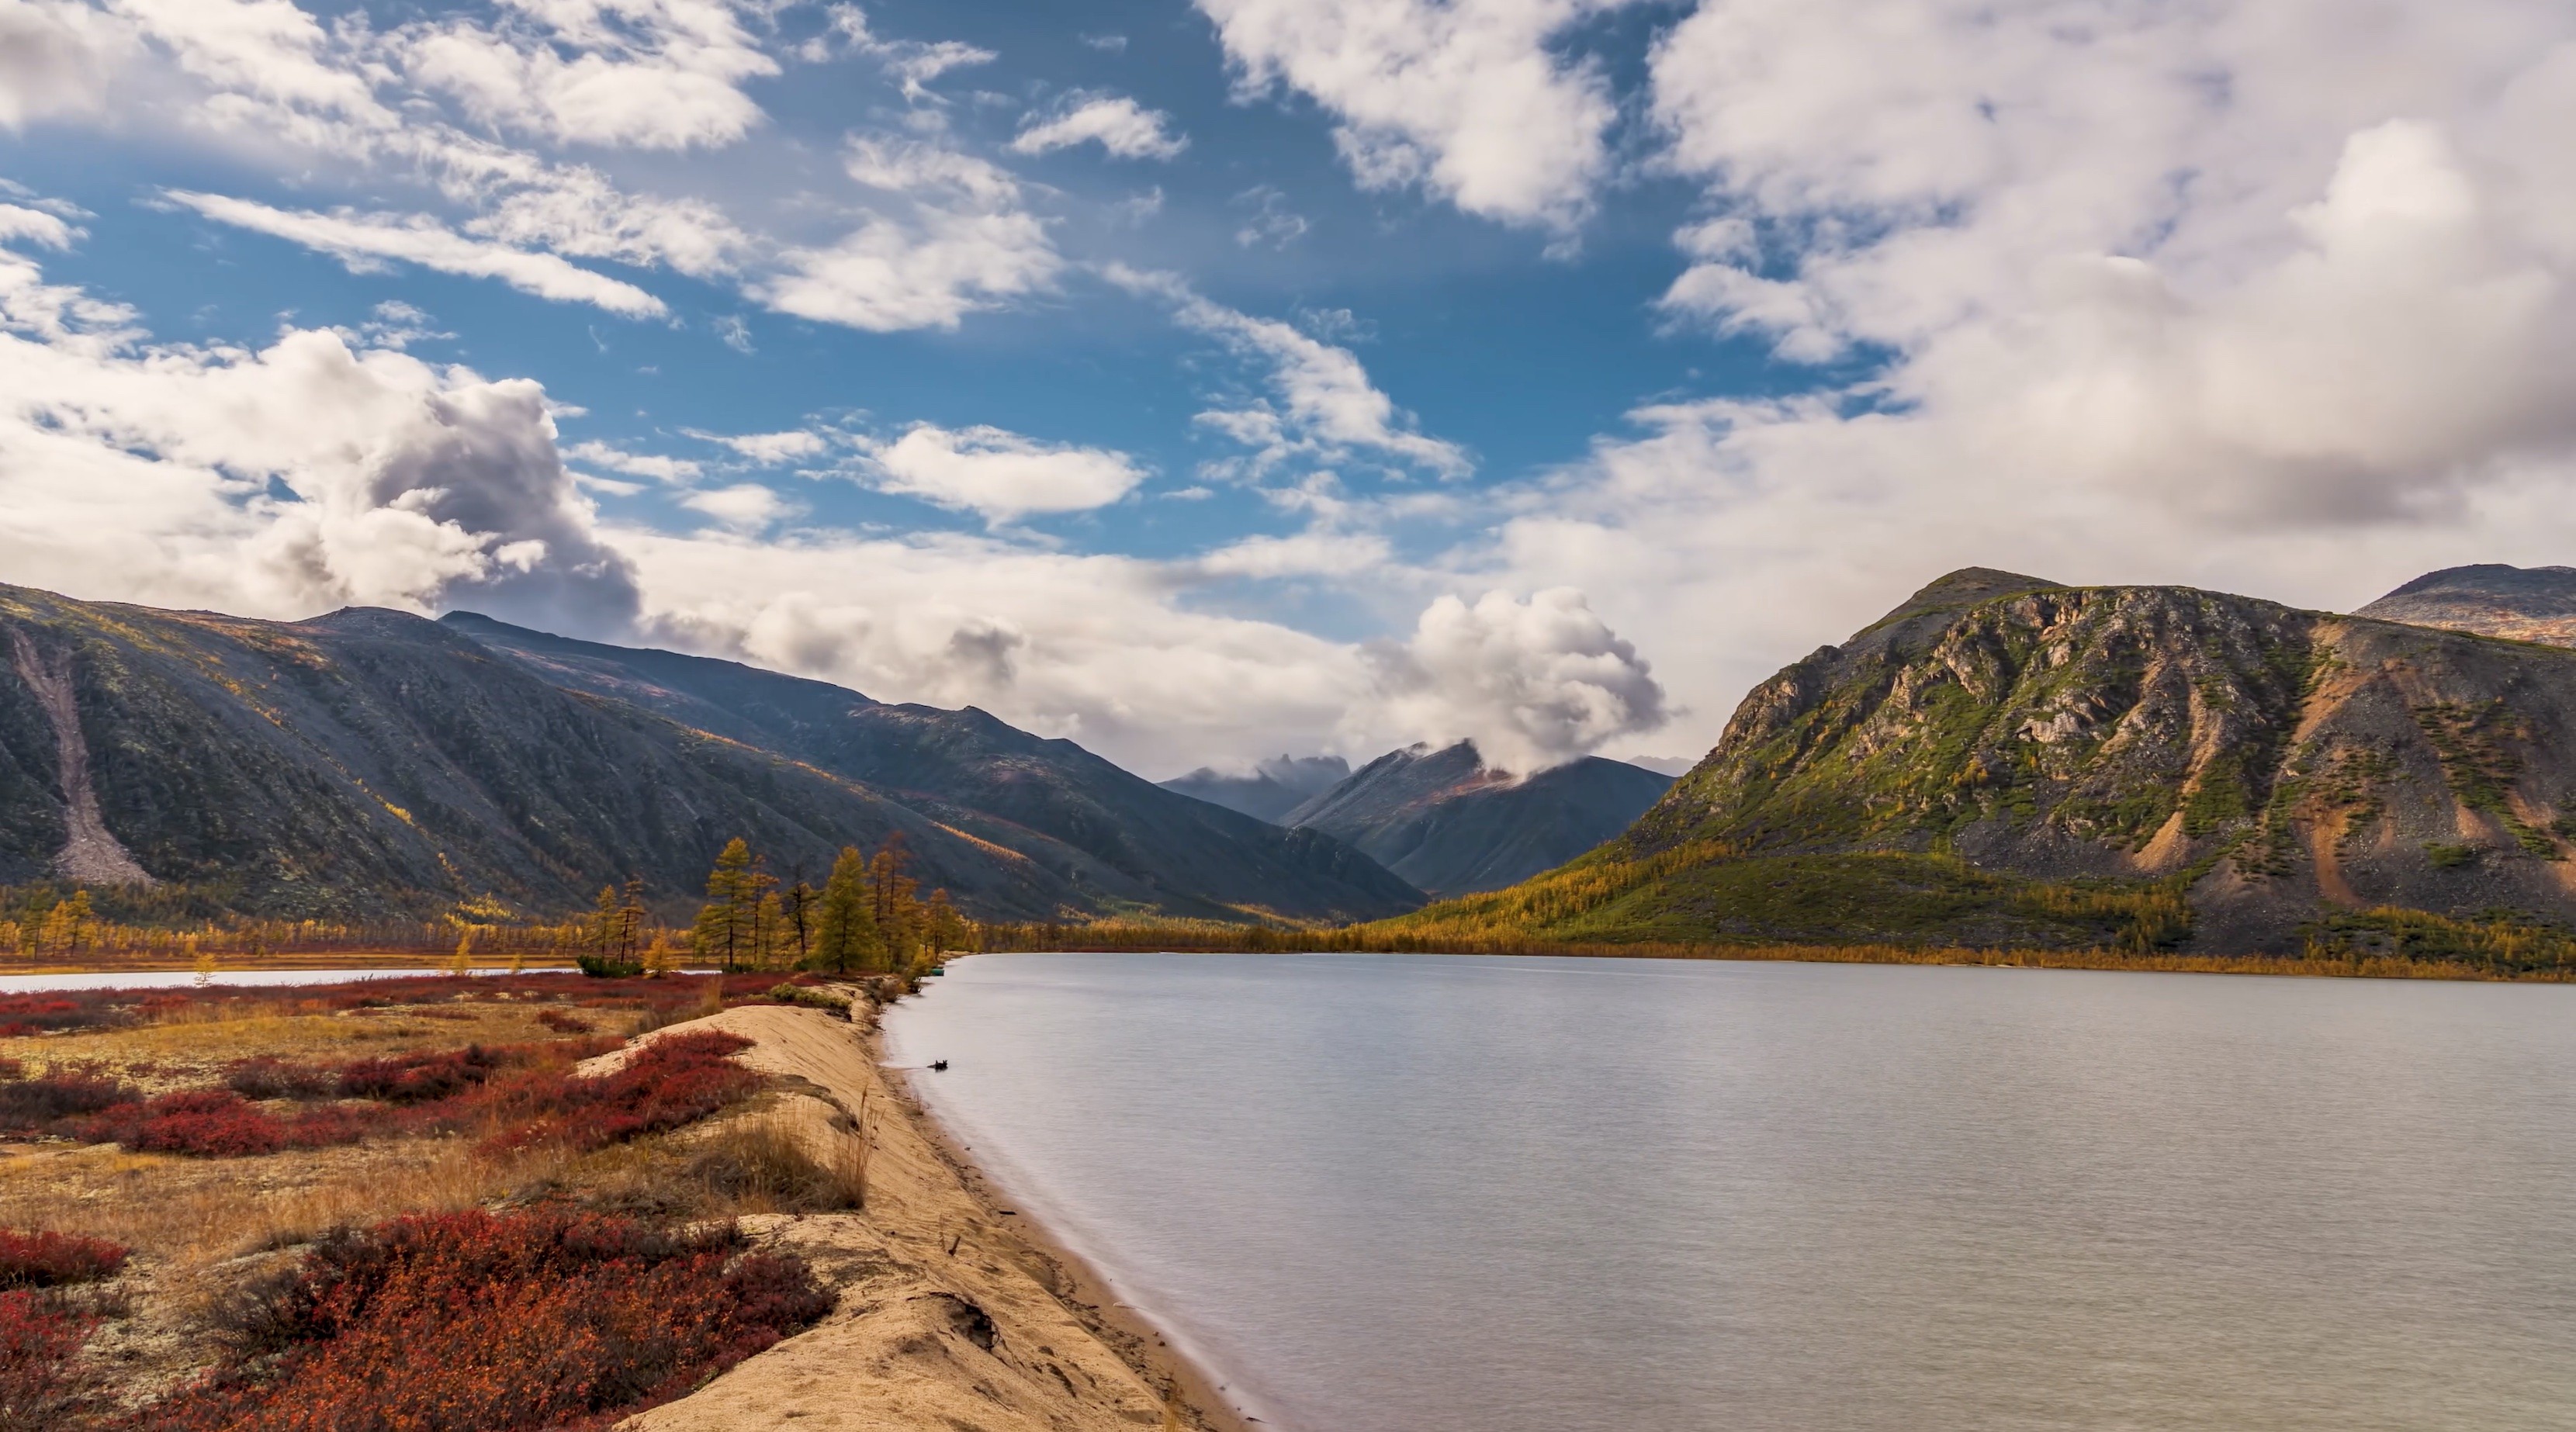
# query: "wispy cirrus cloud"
{"points": [[1121, 127], [364, 240], [1321, 402]]}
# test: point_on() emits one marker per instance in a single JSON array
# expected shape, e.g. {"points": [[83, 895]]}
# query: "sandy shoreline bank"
{"points": [[949, 1314], [1078, 1283]]}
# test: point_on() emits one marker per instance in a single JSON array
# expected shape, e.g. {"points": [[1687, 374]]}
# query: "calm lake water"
{"points": [[182, 979], [1424, 1193]]}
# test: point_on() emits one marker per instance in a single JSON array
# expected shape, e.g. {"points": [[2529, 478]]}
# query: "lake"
{"points": [[1422, 1193]]}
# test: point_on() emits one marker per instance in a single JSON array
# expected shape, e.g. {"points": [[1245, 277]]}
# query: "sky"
{"points": [[1205, 380]]}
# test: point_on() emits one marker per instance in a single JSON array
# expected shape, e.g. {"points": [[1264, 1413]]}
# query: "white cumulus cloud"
{"points": [[283, 481], [1465, 97], [767, 449], [654, 74], [56, 58], [960, 242], [1534, 683], [745, 507], [1001, 475]]}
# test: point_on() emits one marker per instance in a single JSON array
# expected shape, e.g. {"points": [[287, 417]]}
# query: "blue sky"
{"points": [[1208, 380]]}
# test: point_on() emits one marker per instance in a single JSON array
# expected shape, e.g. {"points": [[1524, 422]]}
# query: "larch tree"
{"points": [[898, 914], [945, 929], [631, 915], [723, 927], [603, 922], [797, 902], [845, 927]]}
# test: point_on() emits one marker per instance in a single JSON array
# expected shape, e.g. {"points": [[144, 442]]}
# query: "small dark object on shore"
{"points": [[939, 1066]]}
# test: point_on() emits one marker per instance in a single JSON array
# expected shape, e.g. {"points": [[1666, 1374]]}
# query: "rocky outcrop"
{"points": [[91, 854], [2274, 764]]}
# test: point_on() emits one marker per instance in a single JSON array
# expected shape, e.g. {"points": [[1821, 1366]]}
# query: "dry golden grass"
{"points": [[786, 1153], [191, 1046], [187, 1213]]}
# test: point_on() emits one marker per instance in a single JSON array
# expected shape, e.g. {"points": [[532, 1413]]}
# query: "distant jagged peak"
{"points": [[1272, 789], [1459, 760]]}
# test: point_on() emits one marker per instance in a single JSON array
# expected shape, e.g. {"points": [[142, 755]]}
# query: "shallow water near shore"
{"points": [[1423, 1193]]}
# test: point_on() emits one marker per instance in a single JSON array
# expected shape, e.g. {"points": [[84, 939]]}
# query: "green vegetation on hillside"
{"points": [[2008, 763], [1702, 893], [2497, 941]]}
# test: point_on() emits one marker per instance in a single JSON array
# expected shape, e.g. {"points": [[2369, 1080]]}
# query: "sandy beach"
{"points": [[949, 1315]]}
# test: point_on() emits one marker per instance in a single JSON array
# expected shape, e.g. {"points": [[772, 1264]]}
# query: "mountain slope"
{"points": [[371, 765], [2002, 760], [1276, 787], [1120, 840], [1450, 826], [2519, 603]]}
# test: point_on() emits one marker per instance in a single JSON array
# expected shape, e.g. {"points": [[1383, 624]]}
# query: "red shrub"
{"points": [[37, 1011], [218, 1123], [55, 1260], [42, 1384], [562, 1023], [671, 1081], [419, 1078], [30, 1107], [482, 1322]]}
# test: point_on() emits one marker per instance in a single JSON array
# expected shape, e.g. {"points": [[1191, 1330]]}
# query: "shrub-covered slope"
{"points": [[2490, 598], [1118, 840], [2007, 761], [370, 764], [1443, 821]]}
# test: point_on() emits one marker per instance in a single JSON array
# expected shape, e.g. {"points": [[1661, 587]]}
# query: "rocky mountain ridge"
{"points": [[2188, 767], [372, 764]]}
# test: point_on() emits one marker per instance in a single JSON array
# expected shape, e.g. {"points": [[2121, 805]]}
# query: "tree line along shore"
{"points": [[869, 916]]}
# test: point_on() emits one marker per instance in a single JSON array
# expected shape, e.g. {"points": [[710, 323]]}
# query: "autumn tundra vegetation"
{"points": [[421, 1203], [869, 916]]}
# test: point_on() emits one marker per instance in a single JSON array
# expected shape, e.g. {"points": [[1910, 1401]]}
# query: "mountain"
{"points": [[1121, 841], [1275, 787], [2005, 760], [2520, 603], [1444, 822], [370, 764]]}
